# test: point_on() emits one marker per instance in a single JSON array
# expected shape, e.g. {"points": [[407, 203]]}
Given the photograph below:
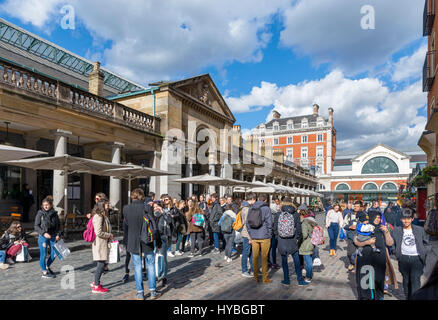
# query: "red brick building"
{"points": [[308, 141]]}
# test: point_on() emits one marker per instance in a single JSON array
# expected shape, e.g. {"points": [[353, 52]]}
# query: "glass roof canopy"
{"points": [[30, 43]]}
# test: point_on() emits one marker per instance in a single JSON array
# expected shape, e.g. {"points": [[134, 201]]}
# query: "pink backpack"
{"points": [[89, 234], [317, 236]]}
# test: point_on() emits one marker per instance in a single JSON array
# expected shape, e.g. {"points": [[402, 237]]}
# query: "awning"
{"points": [[8, 153]]}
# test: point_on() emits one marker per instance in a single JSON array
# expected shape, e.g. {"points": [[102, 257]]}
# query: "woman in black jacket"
{"points": [[164, 225], [49, 229]]}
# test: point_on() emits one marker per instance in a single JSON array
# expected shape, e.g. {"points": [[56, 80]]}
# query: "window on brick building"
{"points": [[304, 152], [303, 139], [320, 137], [289, 140], [320, 152], [289, 154], [276, 141]]}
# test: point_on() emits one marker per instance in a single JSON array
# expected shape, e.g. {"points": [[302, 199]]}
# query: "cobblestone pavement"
{"points": [[198, 278]]}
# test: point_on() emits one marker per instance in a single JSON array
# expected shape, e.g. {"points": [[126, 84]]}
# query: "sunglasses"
{"points": [[18, 226]]}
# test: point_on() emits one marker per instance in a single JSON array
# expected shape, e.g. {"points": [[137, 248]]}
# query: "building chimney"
{"points": [[95, 80], [331, 115], [278, 155], [276, 115], [315, 110]]}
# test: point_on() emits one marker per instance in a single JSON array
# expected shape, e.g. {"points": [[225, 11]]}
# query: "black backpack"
{"points": [[148, 230], [254, 218]]}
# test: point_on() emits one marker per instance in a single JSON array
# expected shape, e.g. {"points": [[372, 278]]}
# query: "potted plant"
{"points": [[431, 170], [421, 180]]}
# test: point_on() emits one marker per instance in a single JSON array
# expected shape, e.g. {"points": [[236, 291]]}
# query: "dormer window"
{"points": [[320, 122], [276, 126], [304, 123], [290, 125]]}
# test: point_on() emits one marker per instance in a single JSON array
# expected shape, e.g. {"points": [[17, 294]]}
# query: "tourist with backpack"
{"points": [[226, 223], [259, 224], [139, 224], [275, 211], [164, 225], [215, 216], [170, 212], [289, 234], [196, 222], [246, 239], [100, 245], [307, 248], [48, 226], [350, 222]]}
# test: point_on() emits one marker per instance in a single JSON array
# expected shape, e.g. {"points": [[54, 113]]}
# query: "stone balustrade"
{"points": [[80, 100]]}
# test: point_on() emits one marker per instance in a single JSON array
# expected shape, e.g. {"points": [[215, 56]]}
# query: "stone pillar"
{"points": [[241, 177], [115, 195], [87, 198], [226, 172], [212, 171], [189, 173], [59, 186], [31, 177], [154, 183]]}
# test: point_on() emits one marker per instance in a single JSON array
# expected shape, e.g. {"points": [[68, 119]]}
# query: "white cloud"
{"points": [[410, 67], [36, 12], [330, 31], [162, 40], [366, 111]]}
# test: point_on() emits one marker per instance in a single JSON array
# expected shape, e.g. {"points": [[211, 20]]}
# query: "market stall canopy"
{"points": [[8, 153], [207, 179], [131, 171]]}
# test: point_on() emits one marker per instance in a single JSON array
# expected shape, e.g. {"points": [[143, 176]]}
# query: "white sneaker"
{"points": [[178, 253], [170, 254], [317, 262], [229, 260], [4, 266], [225, 258]]}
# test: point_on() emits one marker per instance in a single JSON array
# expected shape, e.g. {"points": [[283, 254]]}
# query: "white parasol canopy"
{"points": [[8, 153]]}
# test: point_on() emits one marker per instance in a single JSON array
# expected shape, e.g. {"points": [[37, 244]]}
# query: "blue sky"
{"points": [[262, 55]]}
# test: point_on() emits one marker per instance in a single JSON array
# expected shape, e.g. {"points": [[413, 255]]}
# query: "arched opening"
{"points": [[379, 165]]}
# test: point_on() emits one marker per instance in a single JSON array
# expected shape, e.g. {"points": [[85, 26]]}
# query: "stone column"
{"points": [[87, 198], [31, 177], [212, 171], [189, 173], [59, 186], [115, 195], [154, 183]]}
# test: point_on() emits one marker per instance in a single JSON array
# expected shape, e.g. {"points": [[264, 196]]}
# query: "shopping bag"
{"points": [[342, 234], [61, 250], [114, 255], [159, 266], [238, 237], [23, 255]]}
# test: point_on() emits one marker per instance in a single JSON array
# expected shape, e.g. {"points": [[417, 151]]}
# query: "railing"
{"points": [[429, 71], [83, 101], [428, 17]]}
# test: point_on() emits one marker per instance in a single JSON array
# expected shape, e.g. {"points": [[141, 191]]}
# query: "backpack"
{"points": [[227, 224], [89, 234], [198, 220], [238, 224], [254, 219], [147, 232], [286, 225], [317, 236]]}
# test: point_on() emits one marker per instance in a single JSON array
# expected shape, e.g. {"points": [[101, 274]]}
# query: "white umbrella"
{"points": [[8, 153], [68, 164]]}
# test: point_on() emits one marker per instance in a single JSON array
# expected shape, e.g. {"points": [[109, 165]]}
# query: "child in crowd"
{"points": [[365, 232]]}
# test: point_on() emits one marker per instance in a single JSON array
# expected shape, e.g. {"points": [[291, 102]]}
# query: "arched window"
{"points": [[342, 187], [389, 186], [369, 186], [380, 165]]}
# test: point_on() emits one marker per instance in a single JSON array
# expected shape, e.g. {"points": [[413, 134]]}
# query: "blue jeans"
{"points": [[138, 274], [273, 251], [333, 231], [2, 256], [315, 253], [297, 264], [309, 265], [43, 243], [163, 251], [178, 242], [246, 253], [216, 239]]}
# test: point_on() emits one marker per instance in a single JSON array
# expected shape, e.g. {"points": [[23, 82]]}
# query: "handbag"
{"points": [[114, 254], [61, 250], [342, 234], [22, 255]]}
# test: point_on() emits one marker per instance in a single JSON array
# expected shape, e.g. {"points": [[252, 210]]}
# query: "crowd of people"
{"points": [[217, 225]]}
